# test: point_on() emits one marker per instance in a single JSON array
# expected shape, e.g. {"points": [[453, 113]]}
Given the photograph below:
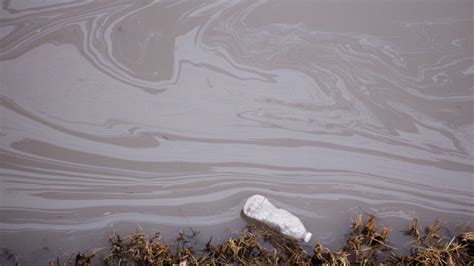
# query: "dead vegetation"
{"points": [[367, 244], [431, 248]]}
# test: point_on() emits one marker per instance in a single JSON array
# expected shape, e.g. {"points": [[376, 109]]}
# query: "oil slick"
{"points": [[328, 109]]}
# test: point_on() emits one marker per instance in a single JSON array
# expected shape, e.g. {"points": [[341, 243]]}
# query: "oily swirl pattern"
{"points": [[169, 114]]}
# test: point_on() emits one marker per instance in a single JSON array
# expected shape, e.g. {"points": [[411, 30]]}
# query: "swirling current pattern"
{"points": [[168, 114]]}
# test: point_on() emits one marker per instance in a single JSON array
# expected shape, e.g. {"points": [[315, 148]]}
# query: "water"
{"points": [[168, 115]]}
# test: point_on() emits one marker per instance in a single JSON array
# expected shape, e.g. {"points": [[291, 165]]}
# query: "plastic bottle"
{"points": [[259, 208]]}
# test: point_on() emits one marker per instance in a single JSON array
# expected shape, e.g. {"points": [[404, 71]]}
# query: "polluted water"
{"points": [[166, 116]]}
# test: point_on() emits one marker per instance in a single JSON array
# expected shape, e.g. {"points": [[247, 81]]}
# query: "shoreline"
{"points": [[367, 243]]}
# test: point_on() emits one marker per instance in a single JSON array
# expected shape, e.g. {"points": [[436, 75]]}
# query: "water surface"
{"points": [[165, 115]]}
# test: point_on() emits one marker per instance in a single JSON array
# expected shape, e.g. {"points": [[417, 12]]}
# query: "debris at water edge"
{"points": [[367, 243], [259, 208]]}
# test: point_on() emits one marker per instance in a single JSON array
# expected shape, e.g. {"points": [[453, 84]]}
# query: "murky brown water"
{"points": [[165, 116]]}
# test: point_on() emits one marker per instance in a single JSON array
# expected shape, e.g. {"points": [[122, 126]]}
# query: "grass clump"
{"points": [[367, 243], [431, 248]]}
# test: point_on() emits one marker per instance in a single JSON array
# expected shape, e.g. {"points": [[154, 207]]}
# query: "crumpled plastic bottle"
{"points": [[259, 208]]}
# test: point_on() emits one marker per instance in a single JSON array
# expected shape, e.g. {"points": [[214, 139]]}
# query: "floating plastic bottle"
{"points": [[259, 208]]}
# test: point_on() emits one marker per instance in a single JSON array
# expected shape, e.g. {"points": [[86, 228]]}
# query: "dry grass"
{"points": [[366, 244], [431, 248]]}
